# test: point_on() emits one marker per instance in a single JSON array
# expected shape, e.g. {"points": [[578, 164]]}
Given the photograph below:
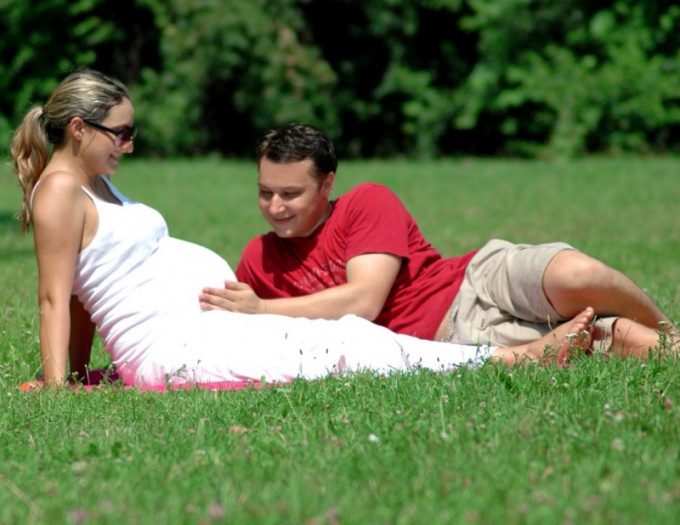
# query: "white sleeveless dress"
{"points": [[141, 288]]}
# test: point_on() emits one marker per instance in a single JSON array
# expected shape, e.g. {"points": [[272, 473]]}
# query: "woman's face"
{"points": [[102, 149]]}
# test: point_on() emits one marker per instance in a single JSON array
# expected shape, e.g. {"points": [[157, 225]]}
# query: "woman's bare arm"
{"points": [[59, 210]]}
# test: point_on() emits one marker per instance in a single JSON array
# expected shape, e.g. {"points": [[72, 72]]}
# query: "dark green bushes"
{"points": [[385, 77]]}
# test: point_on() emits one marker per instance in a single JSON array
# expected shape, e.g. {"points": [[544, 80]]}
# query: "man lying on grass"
{"points": [[363, 253]]}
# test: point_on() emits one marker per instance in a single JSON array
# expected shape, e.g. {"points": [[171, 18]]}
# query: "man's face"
{"points": [[292, 200]]}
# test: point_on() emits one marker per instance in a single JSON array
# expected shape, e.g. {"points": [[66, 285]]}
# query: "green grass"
{"points": [[596, 443]]}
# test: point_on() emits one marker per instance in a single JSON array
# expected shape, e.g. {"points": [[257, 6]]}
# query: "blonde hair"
{"points": [[87, 94]]}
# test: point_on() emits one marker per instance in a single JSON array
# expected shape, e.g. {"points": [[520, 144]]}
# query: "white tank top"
{"points": [[137, 282]]}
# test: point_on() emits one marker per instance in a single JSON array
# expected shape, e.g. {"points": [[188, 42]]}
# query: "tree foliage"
{"points": [[383, 77], [568, 77]]}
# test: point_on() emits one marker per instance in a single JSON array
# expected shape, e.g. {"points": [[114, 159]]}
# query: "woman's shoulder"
{"points": [[60, 181], [58, 186]]}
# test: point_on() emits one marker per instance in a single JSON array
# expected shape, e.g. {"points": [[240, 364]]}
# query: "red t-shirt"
{"points": [[368, 219]]}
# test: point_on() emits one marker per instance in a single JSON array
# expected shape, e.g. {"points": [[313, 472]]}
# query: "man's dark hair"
{"points": [[298, 142]]}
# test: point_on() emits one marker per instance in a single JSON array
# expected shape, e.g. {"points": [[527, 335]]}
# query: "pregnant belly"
{"points": [[182, 269]]}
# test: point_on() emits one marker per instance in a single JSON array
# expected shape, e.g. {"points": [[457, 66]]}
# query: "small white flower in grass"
{"points": [[617, 444], [79, 467], [372, 438]]}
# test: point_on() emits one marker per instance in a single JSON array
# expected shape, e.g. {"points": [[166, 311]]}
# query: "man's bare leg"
{"points": [[574, 280]]}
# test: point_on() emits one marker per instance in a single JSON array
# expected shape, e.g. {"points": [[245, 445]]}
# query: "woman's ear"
{"points": [[77, 128]]}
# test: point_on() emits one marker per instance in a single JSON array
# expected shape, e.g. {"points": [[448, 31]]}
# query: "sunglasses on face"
{"points": [[123, 136]]}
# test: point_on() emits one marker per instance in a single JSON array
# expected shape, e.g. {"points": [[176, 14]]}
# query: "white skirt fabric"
{"points": [[225, 346]]}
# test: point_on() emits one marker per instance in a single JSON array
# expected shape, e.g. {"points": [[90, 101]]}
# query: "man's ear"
{"points": [[327, 184]]}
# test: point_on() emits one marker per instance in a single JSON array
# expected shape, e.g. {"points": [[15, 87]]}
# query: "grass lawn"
{"points": [[598, 442]]}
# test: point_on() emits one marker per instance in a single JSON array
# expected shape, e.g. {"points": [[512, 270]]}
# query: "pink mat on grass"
{"points": [[102, 378]]}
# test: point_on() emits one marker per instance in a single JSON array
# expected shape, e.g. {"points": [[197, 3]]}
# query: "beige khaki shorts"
{"points": [[501, 300]]}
